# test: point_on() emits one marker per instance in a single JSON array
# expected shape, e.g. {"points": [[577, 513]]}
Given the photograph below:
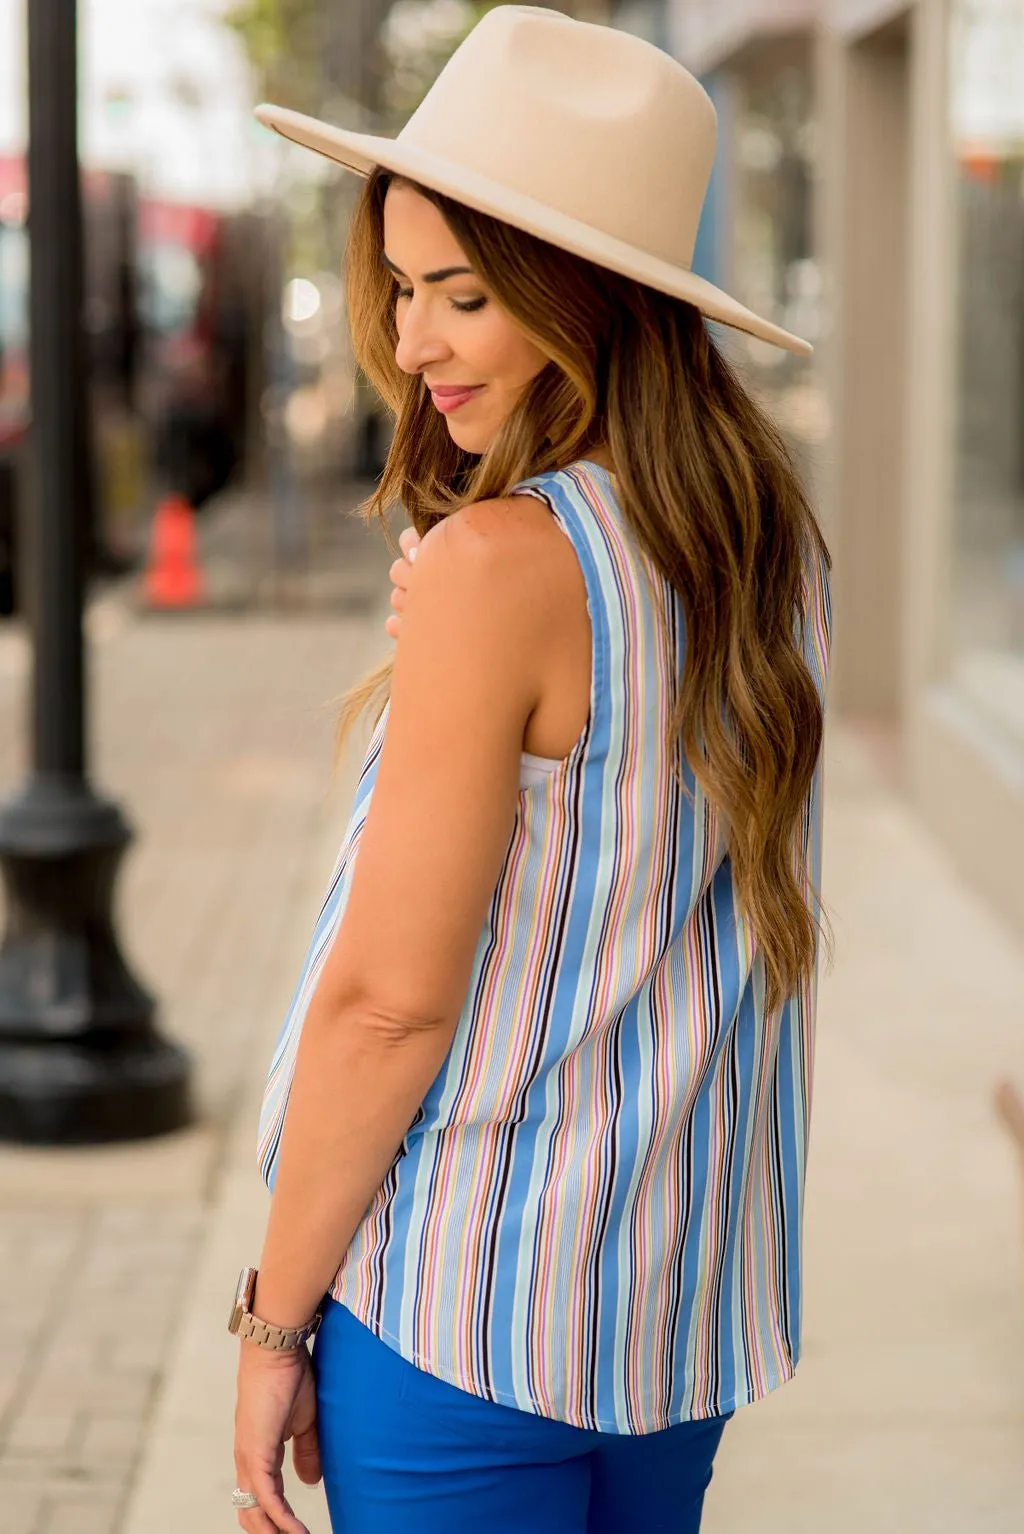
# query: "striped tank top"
{"points": [[596, 1214]]}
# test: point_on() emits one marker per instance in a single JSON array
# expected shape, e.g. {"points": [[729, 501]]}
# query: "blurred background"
{"points": [[868, 194]]}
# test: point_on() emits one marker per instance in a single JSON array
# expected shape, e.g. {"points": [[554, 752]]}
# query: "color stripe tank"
{"points": [[596, 1213]]}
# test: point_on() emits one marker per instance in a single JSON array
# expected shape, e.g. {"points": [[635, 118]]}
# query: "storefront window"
{"points": [[775, 271], [987, 608]]}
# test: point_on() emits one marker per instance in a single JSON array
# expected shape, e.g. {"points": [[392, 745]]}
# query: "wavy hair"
{"points": [[705, 483]]}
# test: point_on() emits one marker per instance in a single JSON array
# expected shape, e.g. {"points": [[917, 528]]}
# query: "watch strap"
{"points": [[277, 1338]]}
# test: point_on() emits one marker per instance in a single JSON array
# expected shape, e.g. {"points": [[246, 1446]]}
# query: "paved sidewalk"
{"points": [[214, 732]]}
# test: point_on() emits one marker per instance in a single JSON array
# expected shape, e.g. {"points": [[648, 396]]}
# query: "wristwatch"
{"points": [[265, 1335]]}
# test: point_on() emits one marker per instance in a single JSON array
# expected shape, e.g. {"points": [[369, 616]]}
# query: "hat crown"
{"points": [[595, 123]]}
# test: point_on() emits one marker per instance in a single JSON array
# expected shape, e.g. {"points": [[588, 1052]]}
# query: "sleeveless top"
{"points": [[596, 1213]]}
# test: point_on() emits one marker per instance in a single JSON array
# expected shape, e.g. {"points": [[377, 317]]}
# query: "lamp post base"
{"points": [[76, 1094], [80, 1057]]}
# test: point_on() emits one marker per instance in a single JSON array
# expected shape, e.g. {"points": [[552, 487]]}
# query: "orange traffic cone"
{"points": [[173, 576]]}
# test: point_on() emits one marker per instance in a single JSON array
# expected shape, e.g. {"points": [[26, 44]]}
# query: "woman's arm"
{"points": [[486, 606], [478, 619], [359, 1079]]}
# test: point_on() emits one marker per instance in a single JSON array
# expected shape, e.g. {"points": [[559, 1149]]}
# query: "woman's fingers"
{"points": [[400, 575], [274, 1513], [401, 569], [255, 1521], [306, 1456]]}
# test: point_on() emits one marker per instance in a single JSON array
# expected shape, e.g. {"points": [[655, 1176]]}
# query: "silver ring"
{"points": [[240, 1498]]}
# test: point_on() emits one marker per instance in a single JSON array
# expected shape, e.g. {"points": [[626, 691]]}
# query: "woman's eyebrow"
{"points": [[440, 276]]}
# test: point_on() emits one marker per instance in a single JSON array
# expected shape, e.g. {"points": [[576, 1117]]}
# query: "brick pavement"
{"points": [[214, 733], [90, 1300]]}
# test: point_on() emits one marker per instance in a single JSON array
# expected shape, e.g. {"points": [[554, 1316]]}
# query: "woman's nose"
{"points": [[419, 345]]}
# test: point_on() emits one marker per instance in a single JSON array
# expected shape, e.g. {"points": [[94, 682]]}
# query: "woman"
{"points": [[547, 1069]]}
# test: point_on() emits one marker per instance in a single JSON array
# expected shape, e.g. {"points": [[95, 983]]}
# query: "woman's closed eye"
{"points": [[466, 306]]}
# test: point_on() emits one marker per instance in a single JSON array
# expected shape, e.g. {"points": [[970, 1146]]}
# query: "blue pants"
{"points": [[406, 1453]]}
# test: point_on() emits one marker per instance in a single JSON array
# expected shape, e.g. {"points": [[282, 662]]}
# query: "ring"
{"points": [[240, 1498]]}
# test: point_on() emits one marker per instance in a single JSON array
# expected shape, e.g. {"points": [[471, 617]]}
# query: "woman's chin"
{"points": [[469, 439]]}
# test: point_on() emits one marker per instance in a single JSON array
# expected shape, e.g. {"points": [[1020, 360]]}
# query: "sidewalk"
{"points": [[214, 732], [117, 1264]]}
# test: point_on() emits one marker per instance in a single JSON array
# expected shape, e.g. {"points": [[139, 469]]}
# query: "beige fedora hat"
{"points": [[585, 136]]}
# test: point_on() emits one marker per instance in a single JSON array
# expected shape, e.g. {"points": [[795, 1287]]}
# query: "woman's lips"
{"points": [[449, 398]]}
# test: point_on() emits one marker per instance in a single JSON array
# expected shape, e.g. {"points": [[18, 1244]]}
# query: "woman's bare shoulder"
{"points": [[515, 541], [507, 523]]}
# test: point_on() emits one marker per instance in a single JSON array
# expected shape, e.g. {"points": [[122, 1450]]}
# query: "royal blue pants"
{"points": [[406, 1453]]}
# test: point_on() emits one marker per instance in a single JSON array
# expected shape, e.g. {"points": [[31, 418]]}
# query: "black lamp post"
{"points": [[80, 1058]]}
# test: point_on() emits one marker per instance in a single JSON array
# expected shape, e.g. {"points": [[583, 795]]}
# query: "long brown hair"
{"points": [[706, 485]]}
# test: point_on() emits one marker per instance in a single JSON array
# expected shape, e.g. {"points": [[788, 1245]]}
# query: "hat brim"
{"points": [[363, 152]]}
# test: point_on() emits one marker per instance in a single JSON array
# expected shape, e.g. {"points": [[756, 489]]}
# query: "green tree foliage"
{"points": [[284, 41], [287, 43], [419, 36]]}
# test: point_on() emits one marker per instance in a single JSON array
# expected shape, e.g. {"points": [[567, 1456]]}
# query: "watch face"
{"points": [[243, 1297]]}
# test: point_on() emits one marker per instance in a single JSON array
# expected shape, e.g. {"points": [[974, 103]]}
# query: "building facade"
{"points": [[870, 195]]}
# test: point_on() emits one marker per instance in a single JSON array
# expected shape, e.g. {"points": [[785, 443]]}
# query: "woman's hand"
{"points": [[400, 574], [276, 1401]]}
